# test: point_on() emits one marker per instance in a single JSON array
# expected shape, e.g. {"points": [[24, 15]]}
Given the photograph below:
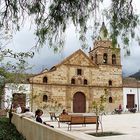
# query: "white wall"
{"points": [[11, 88], [33, 130], [136, 92]]}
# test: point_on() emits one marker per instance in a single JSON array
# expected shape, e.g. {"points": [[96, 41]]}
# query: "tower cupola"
{"points": [[103, 33]]}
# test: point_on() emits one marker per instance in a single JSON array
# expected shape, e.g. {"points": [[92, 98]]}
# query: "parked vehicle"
{"points": [[132, 110], [117, 111]]}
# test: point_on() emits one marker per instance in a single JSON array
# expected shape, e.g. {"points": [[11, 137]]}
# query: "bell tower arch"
{"points": [[103, 53]]}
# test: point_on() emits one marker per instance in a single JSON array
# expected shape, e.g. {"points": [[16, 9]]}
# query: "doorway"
{"points": [[79, 103], [130, 100], [19, 98]]}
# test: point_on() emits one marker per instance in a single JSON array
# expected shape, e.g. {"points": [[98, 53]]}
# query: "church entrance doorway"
{"points": [[79, 103]]}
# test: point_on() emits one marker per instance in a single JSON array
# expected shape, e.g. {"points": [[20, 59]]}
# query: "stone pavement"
{"points": [[128, 124]]}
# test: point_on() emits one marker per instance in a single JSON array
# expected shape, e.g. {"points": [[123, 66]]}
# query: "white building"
{"points": [[19, 93], [131, 93]]}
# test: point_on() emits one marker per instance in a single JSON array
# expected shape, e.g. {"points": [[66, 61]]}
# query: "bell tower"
{"points": [[103, 53]]}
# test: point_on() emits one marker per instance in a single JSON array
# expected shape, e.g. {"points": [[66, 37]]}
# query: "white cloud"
{"points": [[131, 64]]}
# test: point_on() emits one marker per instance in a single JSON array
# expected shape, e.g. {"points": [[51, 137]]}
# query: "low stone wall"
{"points": [[32, 130]]}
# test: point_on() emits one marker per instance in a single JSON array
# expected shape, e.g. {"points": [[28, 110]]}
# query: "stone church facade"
{"points": [[80, 79]]}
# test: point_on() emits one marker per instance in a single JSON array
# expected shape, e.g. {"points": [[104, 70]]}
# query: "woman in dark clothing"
{"points": [[38, 113]]}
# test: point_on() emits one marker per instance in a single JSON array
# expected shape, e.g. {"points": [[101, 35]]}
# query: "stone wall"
{"points": [[60, 89]]}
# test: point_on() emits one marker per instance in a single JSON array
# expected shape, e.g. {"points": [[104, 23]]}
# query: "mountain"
{"points": [[136, 75]]}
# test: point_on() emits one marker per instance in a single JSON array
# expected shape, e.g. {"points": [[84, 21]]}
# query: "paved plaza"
{"points": [[128, 124]]}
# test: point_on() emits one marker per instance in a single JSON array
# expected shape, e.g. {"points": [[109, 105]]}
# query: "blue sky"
{"points": [[46, 58]]}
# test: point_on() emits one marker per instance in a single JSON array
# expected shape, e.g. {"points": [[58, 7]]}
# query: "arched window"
{"points": [[45, 98], [105, 58], [110, 83], [45, 79], [110, 99], [72, 81], [96, 59], [85, 82], [113, 59]]}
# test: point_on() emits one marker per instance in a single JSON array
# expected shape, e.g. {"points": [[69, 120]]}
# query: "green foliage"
{"points": [[13, 65], [8, 131], [13, 71], [99, 105], [52, 18], [123, 20]]}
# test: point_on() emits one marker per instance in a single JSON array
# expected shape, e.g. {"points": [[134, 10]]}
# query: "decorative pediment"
{"points": [[79, 58]]}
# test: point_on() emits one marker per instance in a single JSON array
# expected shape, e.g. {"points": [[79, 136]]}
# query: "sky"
{"points": [[46, 58]]}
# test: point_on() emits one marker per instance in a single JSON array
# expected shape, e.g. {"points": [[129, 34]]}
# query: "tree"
{"points": [[99, 107], [17, 66], [15, 79], [52, 18], [13, 69], [12, 64]]}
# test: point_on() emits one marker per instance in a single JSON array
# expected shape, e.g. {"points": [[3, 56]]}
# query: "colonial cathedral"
{"points": [[80, 79]]}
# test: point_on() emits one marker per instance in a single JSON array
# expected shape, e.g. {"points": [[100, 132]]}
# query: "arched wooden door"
{"points": [[79, 103]]}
